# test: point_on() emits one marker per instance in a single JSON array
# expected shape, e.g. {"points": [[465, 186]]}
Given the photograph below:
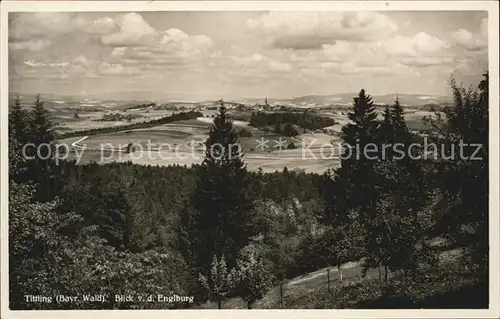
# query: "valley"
{"points": [[181, 142]]}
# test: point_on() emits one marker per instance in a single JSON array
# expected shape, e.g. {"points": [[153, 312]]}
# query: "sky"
{"points": [[246, 54]]}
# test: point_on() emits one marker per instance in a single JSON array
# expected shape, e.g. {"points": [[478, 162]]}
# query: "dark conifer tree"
{"points": [[356, 173], [363, 129], [16, 160], [353, 192], [223, 201], [18, 119], [41, 134], [41, 128], [386, 134], [398, 119]]}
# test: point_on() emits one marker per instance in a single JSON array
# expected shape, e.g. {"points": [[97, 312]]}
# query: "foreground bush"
{"points": [[453, 287], [48, 259]]}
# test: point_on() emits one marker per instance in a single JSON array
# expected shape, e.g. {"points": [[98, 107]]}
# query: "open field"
{"points": [[181, 142]]}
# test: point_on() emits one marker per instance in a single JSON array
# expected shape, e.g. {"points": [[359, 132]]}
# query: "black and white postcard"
{"points": [[201, 157]]}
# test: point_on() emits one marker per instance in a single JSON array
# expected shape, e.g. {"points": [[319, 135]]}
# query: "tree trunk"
{"points": [[249, 305], [340, 273], [219, 304], [379, 273], [385, 273]]}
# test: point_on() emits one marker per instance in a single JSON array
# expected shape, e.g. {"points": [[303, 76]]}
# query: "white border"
{"points": [[493, 41]]}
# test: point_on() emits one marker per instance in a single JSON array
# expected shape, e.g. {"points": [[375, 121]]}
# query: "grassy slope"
{"points": [[303, 286]]}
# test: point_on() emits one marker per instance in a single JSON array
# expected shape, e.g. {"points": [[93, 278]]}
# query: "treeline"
{"points": [[113, 117], [217, 231], [164, 120], [304, 120], [141, 106]]}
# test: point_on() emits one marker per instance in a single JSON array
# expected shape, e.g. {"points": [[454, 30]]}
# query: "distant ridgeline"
{"points": [[164, 120], [304, 120]]}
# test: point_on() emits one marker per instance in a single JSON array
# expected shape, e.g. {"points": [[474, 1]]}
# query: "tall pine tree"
{"points": [[398, 120], [223, 222], [42, 135], [362, 130], [353, 193], [356, 171], [41, 128], [18, 121]]}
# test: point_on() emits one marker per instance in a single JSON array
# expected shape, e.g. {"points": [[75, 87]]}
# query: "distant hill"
{"points": [[342, 99], [347, 99]]}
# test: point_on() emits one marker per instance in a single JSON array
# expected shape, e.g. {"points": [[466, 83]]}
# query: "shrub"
{"points": [[245, 133], [289, 130]]}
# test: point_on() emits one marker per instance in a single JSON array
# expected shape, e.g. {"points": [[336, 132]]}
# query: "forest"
{"points": [[305, 120], [217, 231]]}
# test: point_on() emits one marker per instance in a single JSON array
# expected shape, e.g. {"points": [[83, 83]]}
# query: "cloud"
{"points": [[34, 64], [32, 45], [81, 61], [48, 25], [59, 64], [250, 63], [25, 26], [279, 66], [421, 50], [364, 53], [341, 58], [171, 48], [77, 67], [169, 57], [418, 45], [310, 30], [353, 69], [118, 52], [174, 35], [101, 25], [239, 66], [471, 66], [339, 50], [282, 52], [472, 54], [132, 29], [484, 28], [136, 44], [425, 61], [117, 70], [469, 41]]}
